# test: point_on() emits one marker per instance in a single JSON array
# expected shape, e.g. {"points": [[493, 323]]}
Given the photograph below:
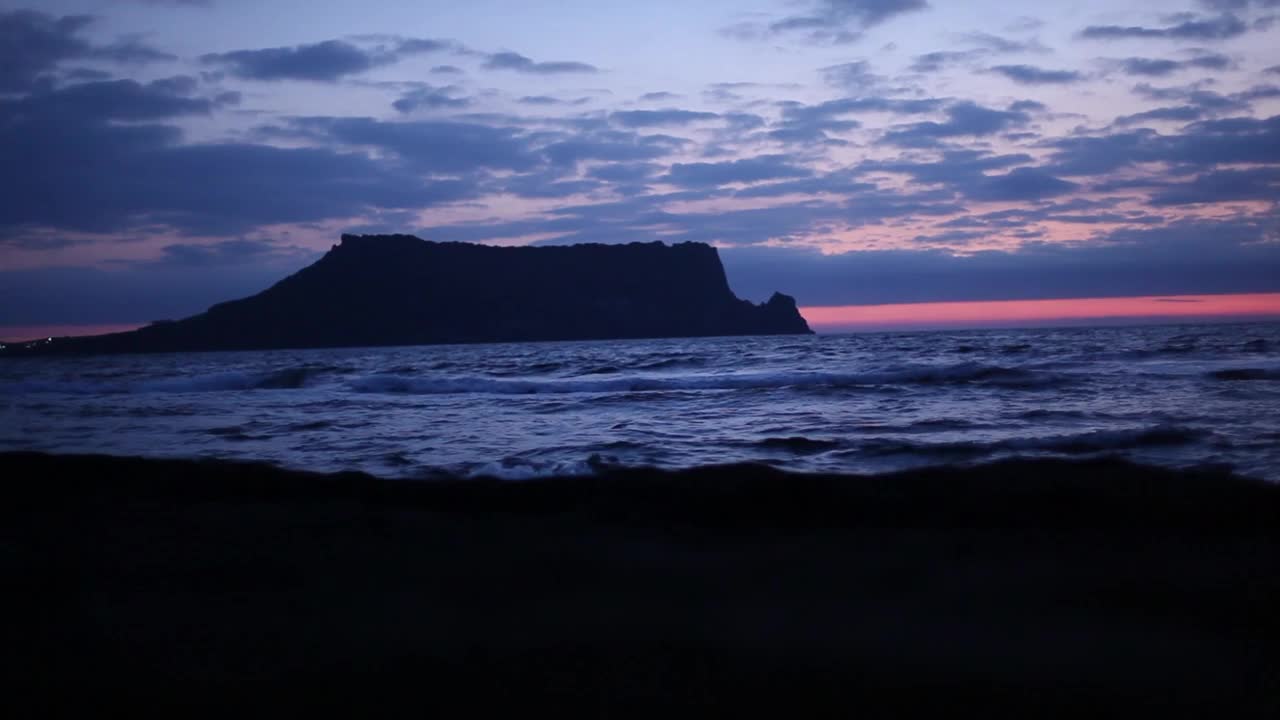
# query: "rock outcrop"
{"points": [[400, 290]]}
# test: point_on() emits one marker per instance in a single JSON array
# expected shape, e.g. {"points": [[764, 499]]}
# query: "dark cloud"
{"points": [[543, 184], [856, 14], [135, 176], [1159, 67], [436, 146], [827, 21], [235, 252], [1222, 27], [1019, 184], [94, 157], [1149, 66], [954, 168], [109, 100], [1180, 113], [446, 70], [625, 172], [963, 119], [1239, 4], [747, 170], [853, 77], [657, 118], [806, 124], [605, 147], [1223, 186], [1031, 75], [131, 50], [658, 96], [1203, 144], [935, 61], [988, 45], [428, 97], [520, 63], [1185, 257], [321, 62], [33, 44], [1002, 45], [1273, 70]]}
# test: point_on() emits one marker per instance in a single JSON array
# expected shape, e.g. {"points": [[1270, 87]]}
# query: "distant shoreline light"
{"points": [[21, 333], [1024, 313]]}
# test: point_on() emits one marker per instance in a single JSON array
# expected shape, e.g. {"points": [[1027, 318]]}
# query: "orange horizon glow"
{"points": [[1030, 312], [19, 333]]}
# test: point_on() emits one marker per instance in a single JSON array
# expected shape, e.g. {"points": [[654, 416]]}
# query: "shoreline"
{"points": [[1055, 587]]}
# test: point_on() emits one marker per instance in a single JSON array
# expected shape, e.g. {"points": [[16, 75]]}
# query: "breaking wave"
{"points": [[1067, 444], [923, 375]]}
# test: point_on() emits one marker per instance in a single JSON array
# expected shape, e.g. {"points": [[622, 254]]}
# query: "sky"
{"points": [[884, 161]]}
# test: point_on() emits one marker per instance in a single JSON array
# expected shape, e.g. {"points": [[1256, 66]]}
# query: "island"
{"points": [[374, 290]]}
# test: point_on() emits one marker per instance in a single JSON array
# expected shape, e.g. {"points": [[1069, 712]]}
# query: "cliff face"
{"points": [[400, 290]]}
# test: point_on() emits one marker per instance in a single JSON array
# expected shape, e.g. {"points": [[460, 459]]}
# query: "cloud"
{"points": [[954, 168], [656, 118], [1222, 27], [935, 61], [1002, 45], [1180, 113], [109, 100], [97, 158], [571, 150], [429, 97], [1183, 257], [855, 77], [1155, 67], [807, 124], [436, 146], [520, 63], [1239, 4], [325, 61], [1031, 75], [1202, 144], [625, 172], [1223, 186], [33, 44], [1020, 184], [963, 119], [828, 21], [1273, 70], [662, 95], [746, 170]]}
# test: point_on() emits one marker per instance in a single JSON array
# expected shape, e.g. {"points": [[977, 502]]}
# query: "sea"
{"points": [[1183, 396]]}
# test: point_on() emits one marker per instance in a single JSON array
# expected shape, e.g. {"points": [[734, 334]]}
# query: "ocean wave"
{"points": [[1246, 374], [798, 444], [284, 379], [1067, 444], [922, 375]]}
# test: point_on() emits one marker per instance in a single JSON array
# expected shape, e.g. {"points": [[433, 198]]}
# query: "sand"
{"points": [[1044, 588]]}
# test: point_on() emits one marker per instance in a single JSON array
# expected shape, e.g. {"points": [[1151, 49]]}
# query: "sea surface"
{"points": [[1181, 396]]}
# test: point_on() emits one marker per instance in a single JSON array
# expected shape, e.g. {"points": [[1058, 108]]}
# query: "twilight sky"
{"points": [[163, 155]]}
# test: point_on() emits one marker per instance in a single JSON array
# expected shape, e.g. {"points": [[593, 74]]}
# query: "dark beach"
{"points": [[1046, 587]]}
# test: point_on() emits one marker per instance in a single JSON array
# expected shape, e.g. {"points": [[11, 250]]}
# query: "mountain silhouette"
{"points": [[401, 290]]}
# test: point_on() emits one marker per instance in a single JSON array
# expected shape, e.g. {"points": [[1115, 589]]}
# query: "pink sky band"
{"points": [[1033, 312], [996, 313]]}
